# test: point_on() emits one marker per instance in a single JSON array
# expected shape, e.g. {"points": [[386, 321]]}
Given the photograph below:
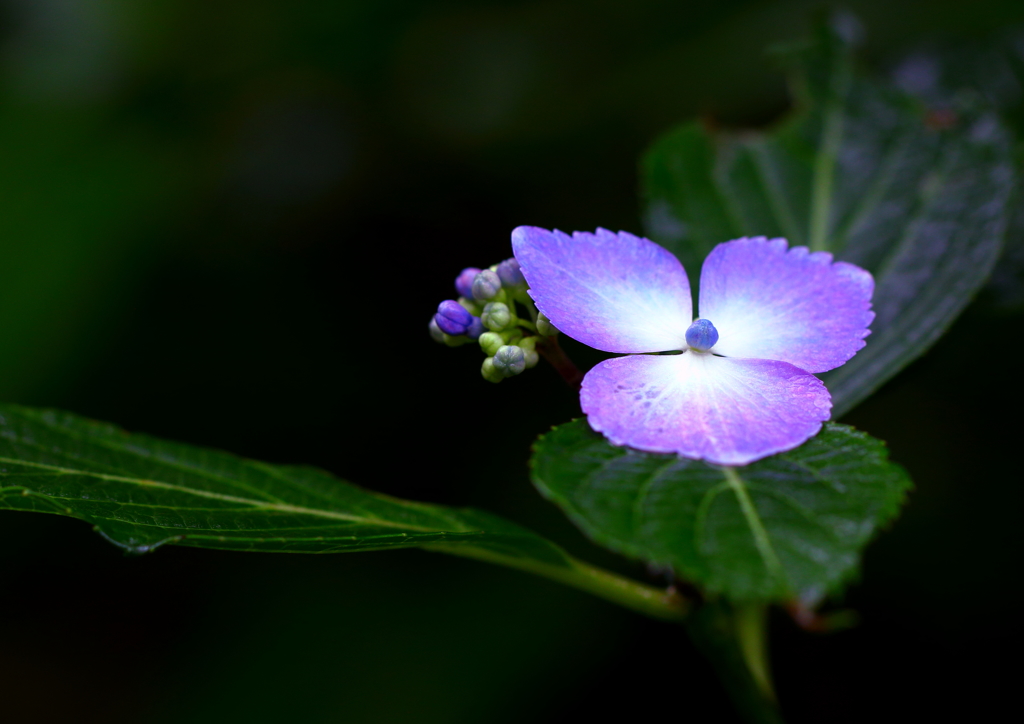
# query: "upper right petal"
{"points": [[791, 305], [614, 292]]}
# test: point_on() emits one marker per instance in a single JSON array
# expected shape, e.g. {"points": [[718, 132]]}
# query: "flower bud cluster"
{"points": [[488, 312]]}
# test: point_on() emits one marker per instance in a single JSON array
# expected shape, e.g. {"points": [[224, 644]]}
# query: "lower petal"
{"points": [[727, 411]]}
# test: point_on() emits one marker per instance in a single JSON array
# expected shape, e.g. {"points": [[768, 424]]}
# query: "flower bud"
{"points": [[435, 332], [510, 274], [490, 342], [544, 326], [476, 328], [490, 372], [453, 318], [486, 285], [509, 360], [529, 347], [497, 316], [464, 282]]}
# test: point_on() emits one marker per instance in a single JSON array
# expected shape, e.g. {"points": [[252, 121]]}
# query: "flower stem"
{"points": [[734, 638], [752, 636], [666, 605], [550, 350]]}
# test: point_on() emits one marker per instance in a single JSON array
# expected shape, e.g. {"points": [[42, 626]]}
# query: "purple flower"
{"points": [[743, 387]]}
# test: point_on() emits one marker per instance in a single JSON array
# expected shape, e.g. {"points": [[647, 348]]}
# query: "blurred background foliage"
{"points": [[228, 222]]}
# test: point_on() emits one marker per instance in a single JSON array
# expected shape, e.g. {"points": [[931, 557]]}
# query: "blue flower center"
{"points": [[701, 336]]}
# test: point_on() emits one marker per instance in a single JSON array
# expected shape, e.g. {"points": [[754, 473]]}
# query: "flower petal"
{"points": [[614, 292], [724, 410], [793, 306]]}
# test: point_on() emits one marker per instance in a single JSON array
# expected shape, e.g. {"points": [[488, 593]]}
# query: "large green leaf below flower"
{"points": [[142, 492], [915, 194], [790, 525]]}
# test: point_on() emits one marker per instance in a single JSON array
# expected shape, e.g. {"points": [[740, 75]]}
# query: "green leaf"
{"points": [[788, 525], [141, 493], [861, 169]]}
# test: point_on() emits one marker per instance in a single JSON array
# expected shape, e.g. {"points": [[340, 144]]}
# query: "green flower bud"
{"points": [[497, 316], [490, 372], [529, 347], [509, 360], [490, 342], [544, 326]]}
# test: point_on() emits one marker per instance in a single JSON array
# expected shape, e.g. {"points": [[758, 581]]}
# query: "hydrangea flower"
{"points": [[741, 385]]}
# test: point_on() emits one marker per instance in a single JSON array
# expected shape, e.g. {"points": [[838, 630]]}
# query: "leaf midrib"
{"points": [[252, 504], [149, 458], [762, 540]]}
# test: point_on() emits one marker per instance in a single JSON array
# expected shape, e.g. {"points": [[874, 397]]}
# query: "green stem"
{"points": [[734, 640], [752, 636], [648, 600], [530, 307]]}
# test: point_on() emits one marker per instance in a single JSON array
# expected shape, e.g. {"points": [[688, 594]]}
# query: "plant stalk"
{"points": [[734, 639], [663, 604], [550, 350]]}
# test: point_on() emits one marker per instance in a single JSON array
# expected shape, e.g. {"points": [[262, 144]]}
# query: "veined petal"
{"points": [[614, 292], [724, 410], [793, 306]]}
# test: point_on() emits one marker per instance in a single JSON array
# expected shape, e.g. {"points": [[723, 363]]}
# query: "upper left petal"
{"points": [[613, 292], [724, 410]]}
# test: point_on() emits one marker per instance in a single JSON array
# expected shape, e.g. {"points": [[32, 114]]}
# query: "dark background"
{"points": [[228, 222]]}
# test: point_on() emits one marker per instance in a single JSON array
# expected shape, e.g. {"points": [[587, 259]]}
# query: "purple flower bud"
{"points": [[464, 282], [486, 285], [701, 335], [476, 328], [452, 318], [510, 274]]}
